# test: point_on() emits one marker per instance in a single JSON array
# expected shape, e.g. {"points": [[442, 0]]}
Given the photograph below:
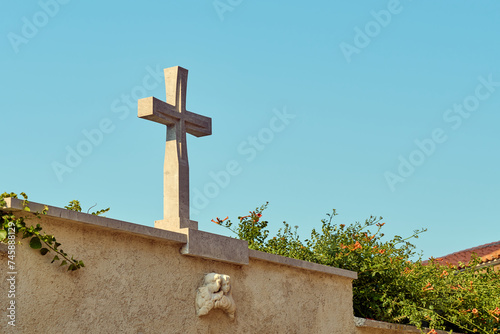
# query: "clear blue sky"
{"points": [[391, 108]]}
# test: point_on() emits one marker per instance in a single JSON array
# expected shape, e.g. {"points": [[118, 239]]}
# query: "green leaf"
{"points": [[44, 251], [63, 263], [56, 258], [3, 234], [35, 243]]}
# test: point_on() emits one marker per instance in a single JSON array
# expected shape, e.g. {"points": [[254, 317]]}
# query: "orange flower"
{"points": [[428, 287], [380, 224], [218, 220], [407, 270], [357, 245], [444, 273], [382, 251], [474, 310], [495, 311], [432, 331]]}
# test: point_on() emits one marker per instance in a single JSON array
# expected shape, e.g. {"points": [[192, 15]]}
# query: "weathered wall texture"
{"points": [[138, 284]]}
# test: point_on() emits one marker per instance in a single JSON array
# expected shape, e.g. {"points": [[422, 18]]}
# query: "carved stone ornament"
{"points": [[215, 293]]}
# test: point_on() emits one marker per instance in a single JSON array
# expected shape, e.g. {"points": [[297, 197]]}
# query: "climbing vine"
{"points": [[12, 226]]}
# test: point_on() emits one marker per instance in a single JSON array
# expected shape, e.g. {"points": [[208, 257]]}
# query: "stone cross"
{"points": [[178, 120]]}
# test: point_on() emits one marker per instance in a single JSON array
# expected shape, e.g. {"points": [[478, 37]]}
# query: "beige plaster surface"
{"points": [[135, 283]]}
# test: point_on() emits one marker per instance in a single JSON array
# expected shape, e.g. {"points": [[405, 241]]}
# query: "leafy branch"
{"points": [[12, 225], [74, 205]]}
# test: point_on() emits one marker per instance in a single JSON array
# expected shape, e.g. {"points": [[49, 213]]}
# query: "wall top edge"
{"points": [[16, 205], [370, 323]]}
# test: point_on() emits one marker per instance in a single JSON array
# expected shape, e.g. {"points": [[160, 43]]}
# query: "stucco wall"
{"points": [[139, 284], [137, 281]]}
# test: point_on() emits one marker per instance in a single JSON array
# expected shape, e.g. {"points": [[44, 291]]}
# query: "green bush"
{"points": [[390, 286]]}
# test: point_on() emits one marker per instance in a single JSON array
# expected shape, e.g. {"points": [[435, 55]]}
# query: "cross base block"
{"points": [[176, 224]]}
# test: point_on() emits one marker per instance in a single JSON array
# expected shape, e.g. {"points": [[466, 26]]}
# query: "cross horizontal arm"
{"points": [[152, 109], [155, 110], [198, 125]]}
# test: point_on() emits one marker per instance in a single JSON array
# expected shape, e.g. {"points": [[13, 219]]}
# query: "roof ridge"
{"points": [[473, 248]]}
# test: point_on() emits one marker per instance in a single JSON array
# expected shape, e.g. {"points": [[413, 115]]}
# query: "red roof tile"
{"points": [[486, 252], [492, 256]]}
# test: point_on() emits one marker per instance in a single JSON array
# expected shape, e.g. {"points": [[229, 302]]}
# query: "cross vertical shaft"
{"points": [[178, 120], [176, 165]]}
